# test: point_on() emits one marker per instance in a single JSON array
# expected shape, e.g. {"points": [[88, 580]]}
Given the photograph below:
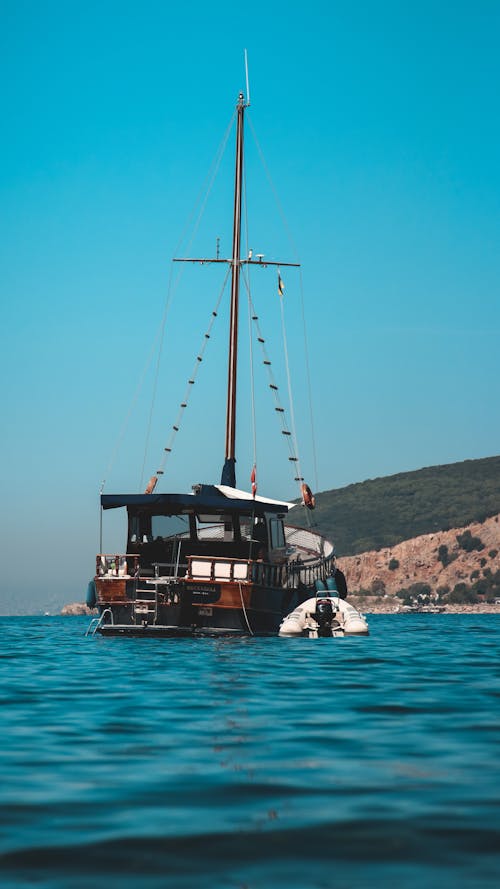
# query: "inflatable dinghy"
{"points": [[324, 615]]}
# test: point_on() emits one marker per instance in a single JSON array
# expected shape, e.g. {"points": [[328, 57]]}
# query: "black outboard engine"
{"points": [[324, 617]]}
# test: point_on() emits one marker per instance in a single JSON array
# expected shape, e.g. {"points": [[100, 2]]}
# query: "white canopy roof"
{"points": [[235, 494]]}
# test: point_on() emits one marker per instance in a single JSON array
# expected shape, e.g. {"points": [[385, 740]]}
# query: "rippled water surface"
{"points": [[251, 763]]}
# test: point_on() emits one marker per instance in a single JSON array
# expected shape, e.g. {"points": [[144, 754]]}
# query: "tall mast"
{"points": [[229, 469]]}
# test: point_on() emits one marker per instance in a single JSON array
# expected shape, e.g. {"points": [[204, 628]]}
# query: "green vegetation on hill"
{"points": [[384, 511]]}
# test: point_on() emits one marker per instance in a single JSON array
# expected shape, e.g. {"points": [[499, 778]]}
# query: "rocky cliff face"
{"points": [[77, 608], [416, 561]]}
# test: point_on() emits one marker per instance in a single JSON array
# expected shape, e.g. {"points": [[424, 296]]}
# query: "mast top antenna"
{"points": [[247, 80]]}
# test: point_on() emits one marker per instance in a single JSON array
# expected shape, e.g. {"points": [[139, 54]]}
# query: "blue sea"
{"points": [[251, 763]]}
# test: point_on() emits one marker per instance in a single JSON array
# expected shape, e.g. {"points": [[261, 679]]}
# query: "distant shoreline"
{"points": [[392, 608], [362, 603]]}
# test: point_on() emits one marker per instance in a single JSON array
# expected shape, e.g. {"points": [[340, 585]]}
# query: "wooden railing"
{"points": [[211, 569], [116, 564]]}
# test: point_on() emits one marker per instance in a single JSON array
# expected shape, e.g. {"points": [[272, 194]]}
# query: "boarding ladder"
{"points": [[166, 574]]}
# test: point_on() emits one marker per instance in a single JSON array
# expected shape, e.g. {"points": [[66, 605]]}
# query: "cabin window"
{"points": [[140, 529], [166, 526], [134, 531], [277, 533], [259, 531], [214, 527], [246, 526]]}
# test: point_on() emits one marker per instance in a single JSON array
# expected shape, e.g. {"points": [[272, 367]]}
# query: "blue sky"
{"points": [[379, 126]]}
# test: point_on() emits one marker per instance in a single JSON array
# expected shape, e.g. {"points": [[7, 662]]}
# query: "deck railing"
{"points": [[116, 564], [287, 574], [211, 569], [306, 573]]}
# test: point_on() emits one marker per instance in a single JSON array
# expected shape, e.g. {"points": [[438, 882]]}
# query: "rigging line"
{"points": [[132, 405], [175, 428], [293, 459], [168, 302], [250, 339], [202, 197], [292, 414], [206, 189], [274, 191], [290, 398], [244, 610], [252, 377], [295, 251], [309, 387], [204, 192]]}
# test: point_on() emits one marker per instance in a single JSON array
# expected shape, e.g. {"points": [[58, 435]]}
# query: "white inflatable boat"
{"points": [[324, 615]]}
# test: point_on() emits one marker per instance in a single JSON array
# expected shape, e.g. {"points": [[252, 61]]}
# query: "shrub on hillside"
{"points": [[420, 592], [419, 589], [487, 587], [469, 543], [443, 555], [462, 595], [393, 564]]}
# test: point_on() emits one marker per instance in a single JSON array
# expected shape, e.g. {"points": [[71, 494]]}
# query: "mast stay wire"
{"points": [[289, 381], [201, 202], [203, 194], [168, 303], [293, 454], [304, 326], [170, 293], [250, 339], [199, 358], [126, 421], [309, 387]]}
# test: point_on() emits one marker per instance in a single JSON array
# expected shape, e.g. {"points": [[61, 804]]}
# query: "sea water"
{"points": [[358, 762]]}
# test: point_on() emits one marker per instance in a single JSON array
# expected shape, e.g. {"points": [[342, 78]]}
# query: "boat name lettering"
{"points": [[205, 593]]}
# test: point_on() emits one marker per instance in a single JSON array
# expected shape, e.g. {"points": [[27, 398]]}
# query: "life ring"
{"points": [[308, 497]]}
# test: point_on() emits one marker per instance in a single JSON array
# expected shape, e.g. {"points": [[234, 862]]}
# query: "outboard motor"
{"points": [[324, 617]]}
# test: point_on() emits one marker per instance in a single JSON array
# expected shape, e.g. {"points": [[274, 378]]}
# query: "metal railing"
{"points": [[96, 622]]}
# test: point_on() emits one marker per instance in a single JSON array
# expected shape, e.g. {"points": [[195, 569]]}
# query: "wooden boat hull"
{"points": [[189, 608]]}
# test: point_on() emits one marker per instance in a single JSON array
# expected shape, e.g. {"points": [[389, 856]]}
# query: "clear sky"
{"points": [[380, 128]]}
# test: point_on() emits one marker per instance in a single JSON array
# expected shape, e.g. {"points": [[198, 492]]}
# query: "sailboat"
{"points": [[217, 560]]}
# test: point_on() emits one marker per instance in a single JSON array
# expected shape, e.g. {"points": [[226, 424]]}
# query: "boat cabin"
{"points": [[167, 533]]}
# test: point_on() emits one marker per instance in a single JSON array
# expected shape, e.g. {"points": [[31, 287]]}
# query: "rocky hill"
{"points": [[442, 560], [76, 609], [386, 511]]}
